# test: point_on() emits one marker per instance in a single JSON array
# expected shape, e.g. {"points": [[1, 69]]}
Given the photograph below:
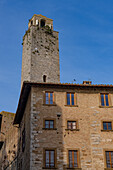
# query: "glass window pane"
{"points": [[104, 125], [46, 124], [111, 159], [72, 99], [107, 102], [74, 125], [52, 159], [47, 158], [109, 126], [75, 159], [47, 98], [107, 159], [51, 98], [102, 100], [68, 98], [70, 159], [69, 125], [51, 124]]}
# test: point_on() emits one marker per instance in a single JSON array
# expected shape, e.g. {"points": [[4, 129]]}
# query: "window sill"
{"points": [[72, 129], [106, 106], [49, 104], [49, 128], [49, 168], [71, 105], [106, 130], [108, 168]]}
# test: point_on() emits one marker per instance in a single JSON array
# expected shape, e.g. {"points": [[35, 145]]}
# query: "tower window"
{"points": [[44, 78], [42, 23], [31, 22]]}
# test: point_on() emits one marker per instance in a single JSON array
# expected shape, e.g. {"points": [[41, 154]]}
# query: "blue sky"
{"points": [[85, 41]]}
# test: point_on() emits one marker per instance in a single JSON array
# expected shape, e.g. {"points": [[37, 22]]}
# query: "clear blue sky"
{"points": [[85, 40]]}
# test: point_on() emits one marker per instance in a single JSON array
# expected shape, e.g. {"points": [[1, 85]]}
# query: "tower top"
{"points": [[40, 21]]}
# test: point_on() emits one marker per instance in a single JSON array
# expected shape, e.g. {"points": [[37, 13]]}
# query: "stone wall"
{"points": [[24, 156], [9, 135], [89, 140], [40, 55]]}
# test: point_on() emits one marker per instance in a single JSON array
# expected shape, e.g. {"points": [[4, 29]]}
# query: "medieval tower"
{"points": [[58, 125], [40, 58]]}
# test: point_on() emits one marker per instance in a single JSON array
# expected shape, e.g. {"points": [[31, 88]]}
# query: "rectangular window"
{"points": [[49, 124], [49, 98], [71, 125], [49, 158], [105, 100], [73, 159], [70, 98], [23, 140], [107, 125], [109, 159]]}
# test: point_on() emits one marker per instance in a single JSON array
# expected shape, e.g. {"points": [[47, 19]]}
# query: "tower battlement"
{"points": [[40, 21]]}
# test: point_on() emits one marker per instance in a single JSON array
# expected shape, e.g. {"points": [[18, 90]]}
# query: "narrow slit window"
{"points": [[23, 140], [44, 78]]}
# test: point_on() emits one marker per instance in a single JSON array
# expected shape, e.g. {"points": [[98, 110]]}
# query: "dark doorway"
{"points": [[44, 78], [42, 23]]}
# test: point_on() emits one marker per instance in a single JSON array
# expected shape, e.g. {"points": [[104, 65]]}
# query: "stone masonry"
{"points": [[89, 138], [40, 52], [9, 137]]}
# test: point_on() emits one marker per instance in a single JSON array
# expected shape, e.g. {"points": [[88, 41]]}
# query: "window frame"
{"points": [[109, 100], [75, 99], [105, 160], [70, 120], [44, 158], [49, 119], [78, 157], [107, 121], [49, 104]]}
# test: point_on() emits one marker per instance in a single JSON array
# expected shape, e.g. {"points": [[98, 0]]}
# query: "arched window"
{"points": [[31, 22], [42, 23], [44, 78]]}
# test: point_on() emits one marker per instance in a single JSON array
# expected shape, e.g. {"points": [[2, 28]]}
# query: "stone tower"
{"points": [[40, 58]]}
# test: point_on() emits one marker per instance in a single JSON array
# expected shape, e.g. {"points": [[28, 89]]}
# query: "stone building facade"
{"points": [[61, 126], [89, 137], [8, 142]]}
